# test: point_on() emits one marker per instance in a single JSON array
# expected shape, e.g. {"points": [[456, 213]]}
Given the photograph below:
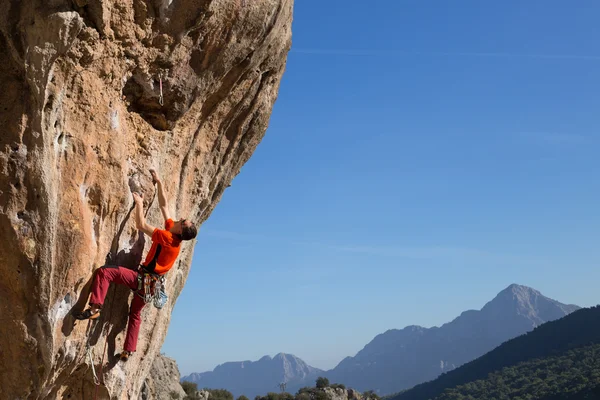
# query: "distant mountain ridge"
{"points": [[578, 331], [252, 378], [399, 358]]}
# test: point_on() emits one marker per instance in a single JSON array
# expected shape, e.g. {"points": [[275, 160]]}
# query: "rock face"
{"points": [[203, 395], [344, 394], [163, 381], [399, 359], [252, 378], [94, 93]]}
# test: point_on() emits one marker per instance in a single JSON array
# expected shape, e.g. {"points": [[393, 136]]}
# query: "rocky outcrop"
{"points": [[163, 380], [202, 395], [336, 393], [94, 93], [342, 394]]}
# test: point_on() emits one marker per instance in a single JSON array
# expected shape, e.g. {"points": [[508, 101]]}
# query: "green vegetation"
{"points": [[369, 394], [322, 382], [572, 375], [306, 393], [539, 357], [276, 396], [190, 389], [219, 394]]}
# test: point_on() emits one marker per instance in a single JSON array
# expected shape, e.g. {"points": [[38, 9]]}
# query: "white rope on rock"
{"points": [[90, 355]]}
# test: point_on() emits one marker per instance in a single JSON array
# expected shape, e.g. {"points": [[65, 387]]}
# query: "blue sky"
{"points": [[421, 157]]}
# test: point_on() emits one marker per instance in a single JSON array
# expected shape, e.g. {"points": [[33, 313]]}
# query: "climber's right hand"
{"points": [[154, 175]]}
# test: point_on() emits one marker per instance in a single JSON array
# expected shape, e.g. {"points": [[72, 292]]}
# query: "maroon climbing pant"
{"points": [[121, 276]]}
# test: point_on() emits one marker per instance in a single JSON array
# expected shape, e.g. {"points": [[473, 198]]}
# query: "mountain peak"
{"points": [[521, 295], [527, 303], [390, 361], [516, 288], [252, 378], [290, 360], [518, 294]]}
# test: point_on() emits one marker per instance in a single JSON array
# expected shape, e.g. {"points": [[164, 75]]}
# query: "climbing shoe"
{"points": [[124, 356], [87, 314]]}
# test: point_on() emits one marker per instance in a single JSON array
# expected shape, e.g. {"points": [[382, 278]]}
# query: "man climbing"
{"points": [[166, 244]]}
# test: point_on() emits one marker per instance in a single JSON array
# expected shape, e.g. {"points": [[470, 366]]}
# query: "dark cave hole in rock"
{"points": [[146, 106]]}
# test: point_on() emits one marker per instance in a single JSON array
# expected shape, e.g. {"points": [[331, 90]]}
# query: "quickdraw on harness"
{"points": [[151, 288]]}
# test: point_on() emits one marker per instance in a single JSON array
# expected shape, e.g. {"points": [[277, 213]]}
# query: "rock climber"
{"points": [[166, 244]]}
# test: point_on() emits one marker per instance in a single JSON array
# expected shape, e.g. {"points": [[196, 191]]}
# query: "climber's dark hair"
{"points": [[189, 232]]}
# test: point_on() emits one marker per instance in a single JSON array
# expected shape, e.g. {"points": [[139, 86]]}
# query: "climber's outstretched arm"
{"points": [[140, 220], [162, 200]]}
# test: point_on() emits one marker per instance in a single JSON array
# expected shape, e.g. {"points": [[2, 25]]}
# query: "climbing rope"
{"points": [[90, 355], [112, 304]]}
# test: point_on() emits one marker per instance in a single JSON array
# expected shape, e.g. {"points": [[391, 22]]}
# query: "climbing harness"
{"points": [[160, 296], [160, 299], [151, 288]]}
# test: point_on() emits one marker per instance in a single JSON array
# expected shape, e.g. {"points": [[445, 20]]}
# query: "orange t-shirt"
{"points": [[164, 251]]}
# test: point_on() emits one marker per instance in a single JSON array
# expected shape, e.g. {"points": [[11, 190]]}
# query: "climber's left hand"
{"points": [[138, 199]]}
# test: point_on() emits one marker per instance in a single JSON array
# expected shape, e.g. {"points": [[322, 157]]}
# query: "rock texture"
{"points": [[399, 359], [83, 120], [202, 395], [345, 394], [163, 381], [253, 378]]}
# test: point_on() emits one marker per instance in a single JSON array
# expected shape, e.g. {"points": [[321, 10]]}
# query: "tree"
{"points": [[219, 394], [322, 382], [305, 390], [369, 394], [242, 397], [321, 395], [190, 388], [303, 396]]}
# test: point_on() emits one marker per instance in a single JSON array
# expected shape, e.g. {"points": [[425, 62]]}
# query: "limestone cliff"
{"points": [[163, 380], [346, 394], [93, 94]]}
